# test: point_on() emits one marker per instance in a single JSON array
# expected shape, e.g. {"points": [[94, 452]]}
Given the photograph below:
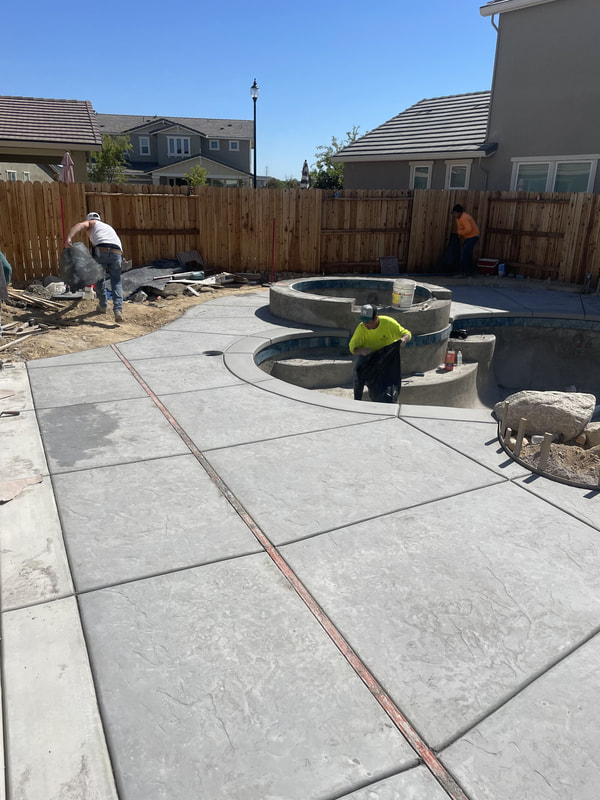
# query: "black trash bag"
{"points": [[78, 268], [381, 371]]}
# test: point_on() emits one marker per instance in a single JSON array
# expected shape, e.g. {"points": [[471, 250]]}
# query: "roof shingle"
{"points": [[454, 124], [35, 119], [115, 124]]}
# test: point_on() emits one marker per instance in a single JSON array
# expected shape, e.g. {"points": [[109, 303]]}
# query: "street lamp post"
{"points": [[254, 95]]}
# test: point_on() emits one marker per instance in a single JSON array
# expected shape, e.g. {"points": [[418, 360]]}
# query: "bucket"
{"points": [[403, 293]]}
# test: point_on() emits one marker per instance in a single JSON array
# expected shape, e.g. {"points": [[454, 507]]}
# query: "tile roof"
{"points": [[36, 119], [454, 124], [211, 128], [500, 6]]}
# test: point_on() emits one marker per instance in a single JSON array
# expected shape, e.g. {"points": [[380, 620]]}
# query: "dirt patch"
{"points": [[79, 327], [568, 462]]}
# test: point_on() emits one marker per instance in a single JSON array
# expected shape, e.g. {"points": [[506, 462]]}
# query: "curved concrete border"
{"points": [[297, 300], [240, 360]]}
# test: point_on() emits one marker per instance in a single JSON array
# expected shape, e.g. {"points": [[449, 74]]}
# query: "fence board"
{"points": [[555, 235]]}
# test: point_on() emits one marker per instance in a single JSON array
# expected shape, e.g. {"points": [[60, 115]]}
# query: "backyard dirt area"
{"points": [[79, 327]]}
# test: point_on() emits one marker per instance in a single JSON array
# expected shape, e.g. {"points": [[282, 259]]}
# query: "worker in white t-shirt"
{"points": [[108, 251]]}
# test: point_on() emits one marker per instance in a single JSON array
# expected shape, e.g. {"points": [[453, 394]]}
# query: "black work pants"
{"points": [[381, 372]]}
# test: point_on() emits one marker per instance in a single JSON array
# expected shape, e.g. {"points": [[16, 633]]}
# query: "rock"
{"points": [[563, 414], [39, 290], [581, 439], [592, 434], [173, 290], [511, 443]]}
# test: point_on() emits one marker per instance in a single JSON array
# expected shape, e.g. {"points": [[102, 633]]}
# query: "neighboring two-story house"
{"points": [[536, 131], [545, 109], [166, 149]]}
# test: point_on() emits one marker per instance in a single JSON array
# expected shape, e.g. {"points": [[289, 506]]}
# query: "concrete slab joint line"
{"points": [[427, 755]]}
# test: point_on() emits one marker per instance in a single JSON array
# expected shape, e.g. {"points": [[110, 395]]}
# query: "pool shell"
{"points": [[530, 353], [542, 353], [336, 302]]}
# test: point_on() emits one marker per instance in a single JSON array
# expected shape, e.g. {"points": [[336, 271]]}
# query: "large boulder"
{"points": [[592, 434], [564, 414]]}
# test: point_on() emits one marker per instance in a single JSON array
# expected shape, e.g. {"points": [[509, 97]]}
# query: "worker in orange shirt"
{"points": [[467, 229]]}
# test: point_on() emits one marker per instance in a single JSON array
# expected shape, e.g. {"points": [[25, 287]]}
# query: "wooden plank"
{"points": [[532, 233], [346, 232]]}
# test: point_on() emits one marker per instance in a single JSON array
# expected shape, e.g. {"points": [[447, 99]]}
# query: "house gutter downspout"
{"points": [[493, 23]]}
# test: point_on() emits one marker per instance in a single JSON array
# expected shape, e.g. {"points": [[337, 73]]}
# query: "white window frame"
{"points": [[26, 176], [144, 140], [553, 162], [172, 147], [214, 144], [234, 145], [11, 175], [414, 165], [464, 163]]}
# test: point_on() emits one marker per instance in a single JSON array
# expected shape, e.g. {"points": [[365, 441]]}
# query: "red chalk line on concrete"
{"points": [[431, 761]]}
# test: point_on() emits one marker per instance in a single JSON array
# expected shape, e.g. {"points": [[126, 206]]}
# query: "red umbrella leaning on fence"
{"points": [[68, 176]]}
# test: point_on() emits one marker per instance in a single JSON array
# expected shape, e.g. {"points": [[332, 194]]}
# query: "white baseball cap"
{"points": [[93, 215]]}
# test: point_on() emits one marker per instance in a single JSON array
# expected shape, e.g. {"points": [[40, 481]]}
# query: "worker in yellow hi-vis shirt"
{"points": [[377, 341]]}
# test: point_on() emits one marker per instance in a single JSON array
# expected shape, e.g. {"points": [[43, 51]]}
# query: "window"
{"points": [[26, 176], [11, 175], [458, 174], [214, 144], [559, 174], [234, 145], [179, 146], [144, 145], [572, 176], [420, 174], [532, 177]]}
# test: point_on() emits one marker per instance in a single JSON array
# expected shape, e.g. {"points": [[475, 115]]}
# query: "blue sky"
{"points": [[322, 67]]}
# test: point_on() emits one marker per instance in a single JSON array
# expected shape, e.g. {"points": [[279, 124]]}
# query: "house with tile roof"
{"points": [[36, 132], [165, 149], [537, 130], [435, 144]]}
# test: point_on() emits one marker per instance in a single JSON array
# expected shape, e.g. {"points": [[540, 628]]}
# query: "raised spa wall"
{"points": [[335, 303]]}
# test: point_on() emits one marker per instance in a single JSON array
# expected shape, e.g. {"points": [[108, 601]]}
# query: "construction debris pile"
{"points": [[51, 305]]}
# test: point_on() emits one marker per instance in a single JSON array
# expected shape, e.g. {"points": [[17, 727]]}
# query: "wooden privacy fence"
{"points": [[310, 231]]}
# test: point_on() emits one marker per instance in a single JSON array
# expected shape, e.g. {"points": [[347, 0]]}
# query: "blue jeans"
{"points": [[111, 261], [466, 258]]}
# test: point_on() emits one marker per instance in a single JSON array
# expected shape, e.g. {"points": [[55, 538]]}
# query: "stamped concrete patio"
{"points": [[229, 587]]}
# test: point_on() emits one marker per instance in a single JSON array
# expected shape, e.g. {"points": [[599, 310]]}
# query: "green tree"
{"points": [[108, 165], [326, 174], [197, 176]]}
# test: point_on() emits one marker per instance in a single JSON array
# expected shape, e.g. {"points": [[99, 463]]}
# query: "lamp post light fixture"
{"points": [[254, 96]]}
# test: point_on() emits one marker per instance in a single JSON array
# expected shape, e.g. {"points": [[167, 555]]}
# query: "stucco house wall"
{"points": [[545, 91], [396, 174]]}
